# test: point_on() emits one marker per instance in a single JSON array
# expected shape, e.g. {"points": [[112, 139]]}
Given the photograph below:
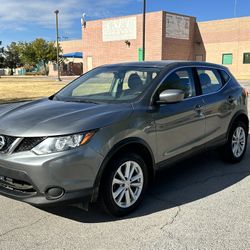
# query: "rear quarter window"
{"points": [[225, 76]]}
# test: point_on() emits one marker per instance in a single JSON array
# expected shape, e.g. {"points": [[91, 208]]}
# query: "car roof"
{"points": [[165, 63]]}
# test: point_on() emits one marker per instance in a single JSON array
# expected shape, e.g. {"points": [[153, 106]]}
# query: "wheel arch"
{"points": [[135, 145], [239, 116]]}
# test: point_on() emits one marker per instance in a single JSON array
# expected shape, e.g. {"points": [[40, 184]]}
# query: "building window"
{"points": [[227, 59], [246, 58]]}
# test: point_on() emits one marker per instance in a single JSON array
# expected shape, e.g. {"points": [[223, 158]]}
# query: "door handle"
{"points": [[230, 99], [198, 108]]}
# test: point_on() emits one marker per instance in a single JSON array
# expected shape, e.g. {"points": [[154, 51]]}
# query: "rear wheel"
{"points": [[233, 151], [124, 184]]}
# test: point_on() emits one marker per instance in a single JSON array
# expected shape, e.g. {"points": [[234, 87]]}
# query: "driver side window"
{"points": [[181, 79]]}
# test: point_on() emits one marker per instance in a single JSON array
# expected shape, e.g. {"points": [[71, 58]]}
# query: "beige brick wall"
{"points": [[228, 36], [71, 46]]}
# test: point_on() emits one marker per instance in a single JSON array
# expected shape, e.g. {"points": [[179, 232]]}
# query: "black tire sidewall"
{"points": [[106, 188]]}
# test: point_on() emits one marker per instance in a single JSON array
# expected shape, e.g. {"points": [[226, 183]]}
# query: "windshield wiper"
{"points": [[56, 98], [83, 101]]}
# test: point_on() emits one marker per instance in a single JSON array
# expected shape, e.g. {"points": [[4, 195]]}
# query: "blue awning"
{"points": [[73, 55]]}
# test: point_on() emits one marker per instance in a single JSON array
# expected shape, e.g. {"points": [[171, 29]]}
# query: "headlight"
{"points": [[63, 143]]}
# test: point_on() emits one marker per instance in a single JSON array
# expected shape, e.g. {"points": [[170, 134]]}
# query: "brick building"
{"points": [[228, 42], [169, 36], [72, 65], [71, 46]]}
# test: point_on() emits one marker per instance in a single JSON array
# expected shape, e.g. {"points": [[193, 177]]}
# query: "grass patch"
{"points": [[13, 89]]}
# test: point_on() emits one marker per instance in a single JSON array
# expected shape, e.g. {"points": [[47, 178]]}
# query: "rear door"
{"points": [[180, 127], [218, 106]]}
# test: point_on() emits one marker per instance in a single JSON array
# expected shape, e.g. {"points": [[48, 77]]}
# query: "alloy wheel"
{"points": [[238, 142], [127, 184]]}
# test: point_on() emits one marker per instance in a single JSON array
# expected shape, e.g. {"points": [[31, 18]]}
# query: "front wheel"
{"points": [[124, 184], [233, 151]]}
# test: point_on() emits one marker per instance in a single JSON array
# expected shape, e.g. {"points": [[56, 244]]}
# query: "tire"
{"points": [[117, 189], [233, 151]]}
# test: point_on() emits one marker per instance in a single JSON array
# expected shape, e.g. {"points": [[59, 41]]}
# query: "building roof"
{"points": [[140, 14], [144, 64], [241, 18], [163, 64]]}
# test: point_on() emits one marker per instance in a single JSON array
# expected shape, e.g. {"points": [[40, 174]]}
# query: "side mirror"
{"points": [[171, 96]]}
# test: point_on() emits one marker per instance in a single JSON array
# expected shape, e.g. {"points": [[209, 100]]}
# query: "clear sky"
{"points": [[25, 20]]}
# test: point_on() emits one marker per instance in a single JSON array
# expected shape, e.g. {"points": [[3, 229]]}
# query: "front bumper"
{"points": [[28, 177]]}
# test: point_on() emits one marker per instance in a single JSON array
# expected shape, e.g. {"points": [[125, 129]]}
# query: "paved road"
{"points": [[202, 203]]}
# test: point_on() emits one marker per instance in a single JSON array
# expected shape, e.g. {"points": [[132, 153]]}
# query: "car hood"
{"points": [[51, 118]]}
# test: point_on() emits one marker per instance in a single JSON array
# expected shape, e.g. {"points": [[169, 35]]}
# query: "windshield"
{"points": [[109, 84]]}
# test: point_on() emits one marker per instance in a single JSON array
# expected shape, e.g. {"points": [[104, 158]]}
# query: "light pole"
{"points": [[144, 30], [57, 46], [235, 8]]}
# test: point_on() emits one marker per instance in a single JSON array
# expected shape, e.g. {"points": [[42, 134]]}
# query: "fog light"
{"points": [[54, 193]]}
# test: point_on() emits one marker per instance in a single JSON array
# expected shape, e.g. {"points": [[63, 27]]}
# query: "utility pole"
{"points": [[57, 47], [144, 30], [235, 8], [1, 56]]}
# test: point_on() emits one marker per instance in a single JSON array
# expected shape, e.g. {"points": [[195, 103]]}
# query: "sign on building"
{"points": [[119, 29], [177, 26]]}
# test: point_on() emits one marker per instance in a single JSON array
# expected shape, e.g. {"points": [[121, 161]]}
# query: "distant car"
{"points": [[105, 135]]}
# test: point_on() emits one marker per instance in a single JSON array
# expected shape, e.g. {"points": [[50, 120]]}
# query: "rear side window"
{"points": [[210, 80], [181, 79]]}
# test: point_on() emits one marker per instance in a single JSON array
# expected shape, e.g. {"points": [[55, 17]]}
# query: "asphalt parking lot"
{"points": [[201, 203]]}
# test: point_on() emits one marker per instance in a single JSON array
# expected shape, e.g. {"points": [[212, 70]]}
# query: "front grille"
{"points": [[8, 142], [19, 186], [28, 143]]}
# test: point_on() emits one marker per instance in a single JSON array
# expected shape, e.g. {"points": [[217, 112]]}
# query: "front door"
{"points": [[180, 127]]}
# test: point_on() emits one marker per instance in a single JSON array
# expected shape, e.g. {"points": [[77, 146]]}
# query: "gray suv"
{"points": [[105, 135]]}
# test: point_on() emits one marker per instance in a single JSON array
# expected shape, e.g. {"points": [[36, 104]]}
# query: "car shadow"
{"points": [[185, 182]]}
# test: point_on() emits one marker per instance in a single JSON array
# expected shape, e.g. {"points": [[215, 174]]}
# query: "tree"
{"points": [[1, 56], [12, 57], [1, 61], [38, 51], [44, 51], [27, 55]]}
